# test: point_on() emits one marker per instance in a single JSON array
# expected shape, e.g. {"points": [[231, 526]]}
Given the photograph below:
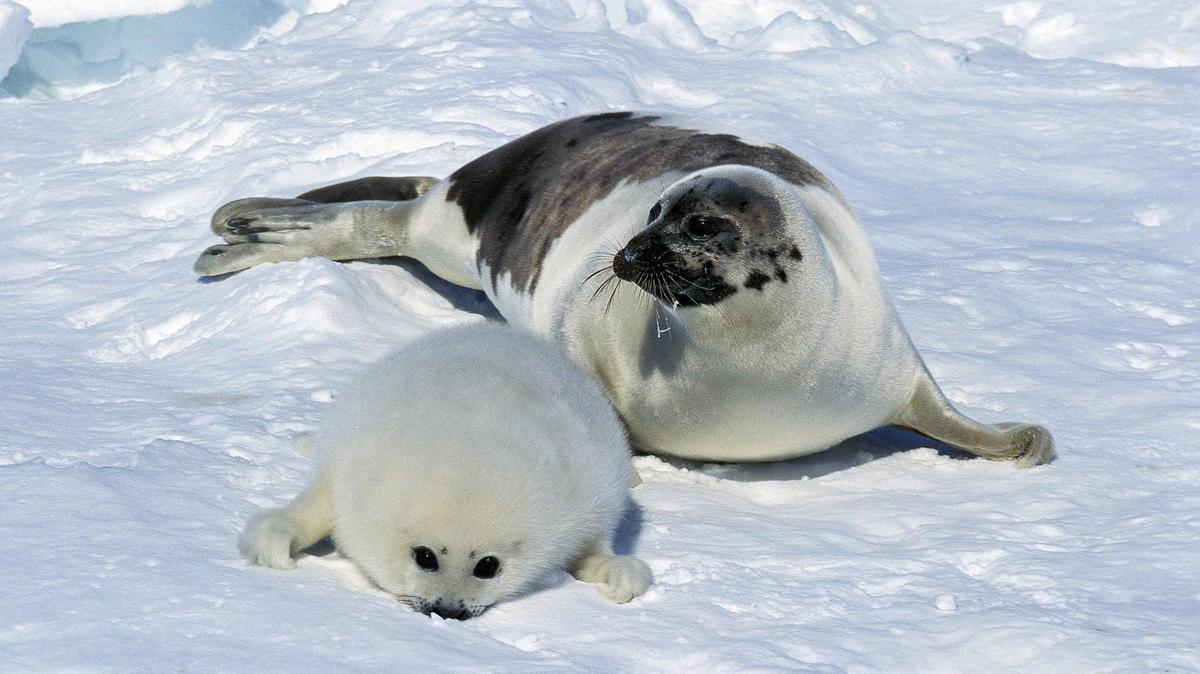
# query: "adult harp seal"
{"points": [[721, 291]]}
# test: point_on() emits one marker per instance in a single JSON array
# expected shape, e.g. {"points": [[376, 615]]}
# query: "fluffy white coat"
{"points": [[470, 444]]}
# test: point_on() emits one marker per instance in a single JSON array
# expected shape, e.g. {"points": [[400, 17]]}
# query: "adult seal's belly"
{"points": [[721, 290]]}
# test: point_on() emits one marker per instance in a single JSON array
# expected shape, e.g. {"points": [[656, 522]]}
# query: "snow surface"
{"points": [[1027, 173]]}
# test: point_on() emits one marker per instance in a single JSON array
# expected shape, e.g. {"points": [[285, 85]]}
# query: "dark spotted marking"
{"points": [[757, 280], [520, 197]]}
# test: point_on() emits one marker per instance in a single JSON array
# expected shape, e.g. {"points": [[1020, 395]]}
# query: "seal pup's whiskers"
{"points": [[408, 600]]}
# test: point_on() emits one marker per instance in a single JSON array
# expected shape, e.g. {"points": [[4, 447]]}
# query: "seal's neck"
{"points": [[728, 331]]}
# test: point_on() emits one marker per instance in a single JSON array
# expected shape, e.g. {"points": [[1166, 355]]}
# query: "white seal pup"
{"points": [[459, 471], [721, 291]]}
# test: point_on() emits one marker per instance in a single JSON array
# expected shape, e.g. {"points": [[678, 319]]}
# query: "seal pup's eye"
{"points": [[425, 558], [654, 213], [487, 567], [703, 226]]}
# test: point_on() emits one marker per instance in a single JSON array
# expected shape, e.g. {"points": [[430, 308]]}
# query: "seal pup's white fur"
{"points": [[472, 449]]}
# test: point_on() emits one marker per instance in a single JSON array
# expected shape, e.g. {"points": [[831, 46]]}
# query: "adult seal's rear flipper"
{"points": [[931, 413], [258, 230], [354, 220]]}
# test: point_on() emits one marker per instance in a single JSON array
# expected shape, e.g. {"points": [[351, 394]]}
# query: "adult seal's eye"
{"points": [[487, 567], [654, 213], [425, 558], [703, 226]]}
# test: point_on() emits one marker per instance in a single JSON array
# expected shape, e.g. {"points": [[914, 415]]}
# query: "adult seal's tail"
{"points": [[721, 291]]}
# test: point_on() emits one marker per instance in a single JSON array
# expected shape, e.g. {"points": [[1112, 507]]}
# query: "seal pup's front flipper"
{"points": [[931, 413], [620, 577], [273, 536]]}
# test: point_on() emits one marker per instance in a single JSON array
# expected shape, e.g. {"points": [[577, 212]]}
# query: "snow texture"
{"points": [[1027, 173]]}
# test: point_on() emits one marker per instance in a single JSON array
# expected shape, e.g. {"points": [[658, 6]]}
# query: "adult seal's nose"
{"points": [[635, 251], [623, 262], [639, 253]]}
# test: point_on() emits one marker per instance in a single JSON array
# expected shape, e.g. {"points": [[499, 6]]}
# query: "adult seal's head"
{"points": [[718, 233]]}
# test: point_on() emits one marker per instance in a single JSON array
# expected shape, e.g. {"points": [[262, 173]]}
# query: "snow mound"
{"points": [[79, 46], [14, 30], [49, 13]]}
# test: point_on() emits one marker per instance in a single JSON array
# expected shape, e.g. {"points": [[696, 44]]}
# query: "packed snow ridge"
{"points": [[70, 47]]}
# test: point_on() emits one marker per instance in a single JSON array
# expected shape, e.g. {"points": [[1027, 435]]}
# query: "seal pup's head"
{"points": [[448, 541], [723, 236]]}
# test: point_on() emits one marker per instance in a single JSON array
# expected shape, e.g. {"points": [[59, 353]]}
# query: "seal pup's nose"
{"points": [[449, 612]]}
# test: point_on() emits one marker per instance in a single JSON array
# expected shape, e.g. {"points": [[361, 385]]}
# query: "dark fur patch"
{"points": [[757, 280], [372, 188], [522, 196]]}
